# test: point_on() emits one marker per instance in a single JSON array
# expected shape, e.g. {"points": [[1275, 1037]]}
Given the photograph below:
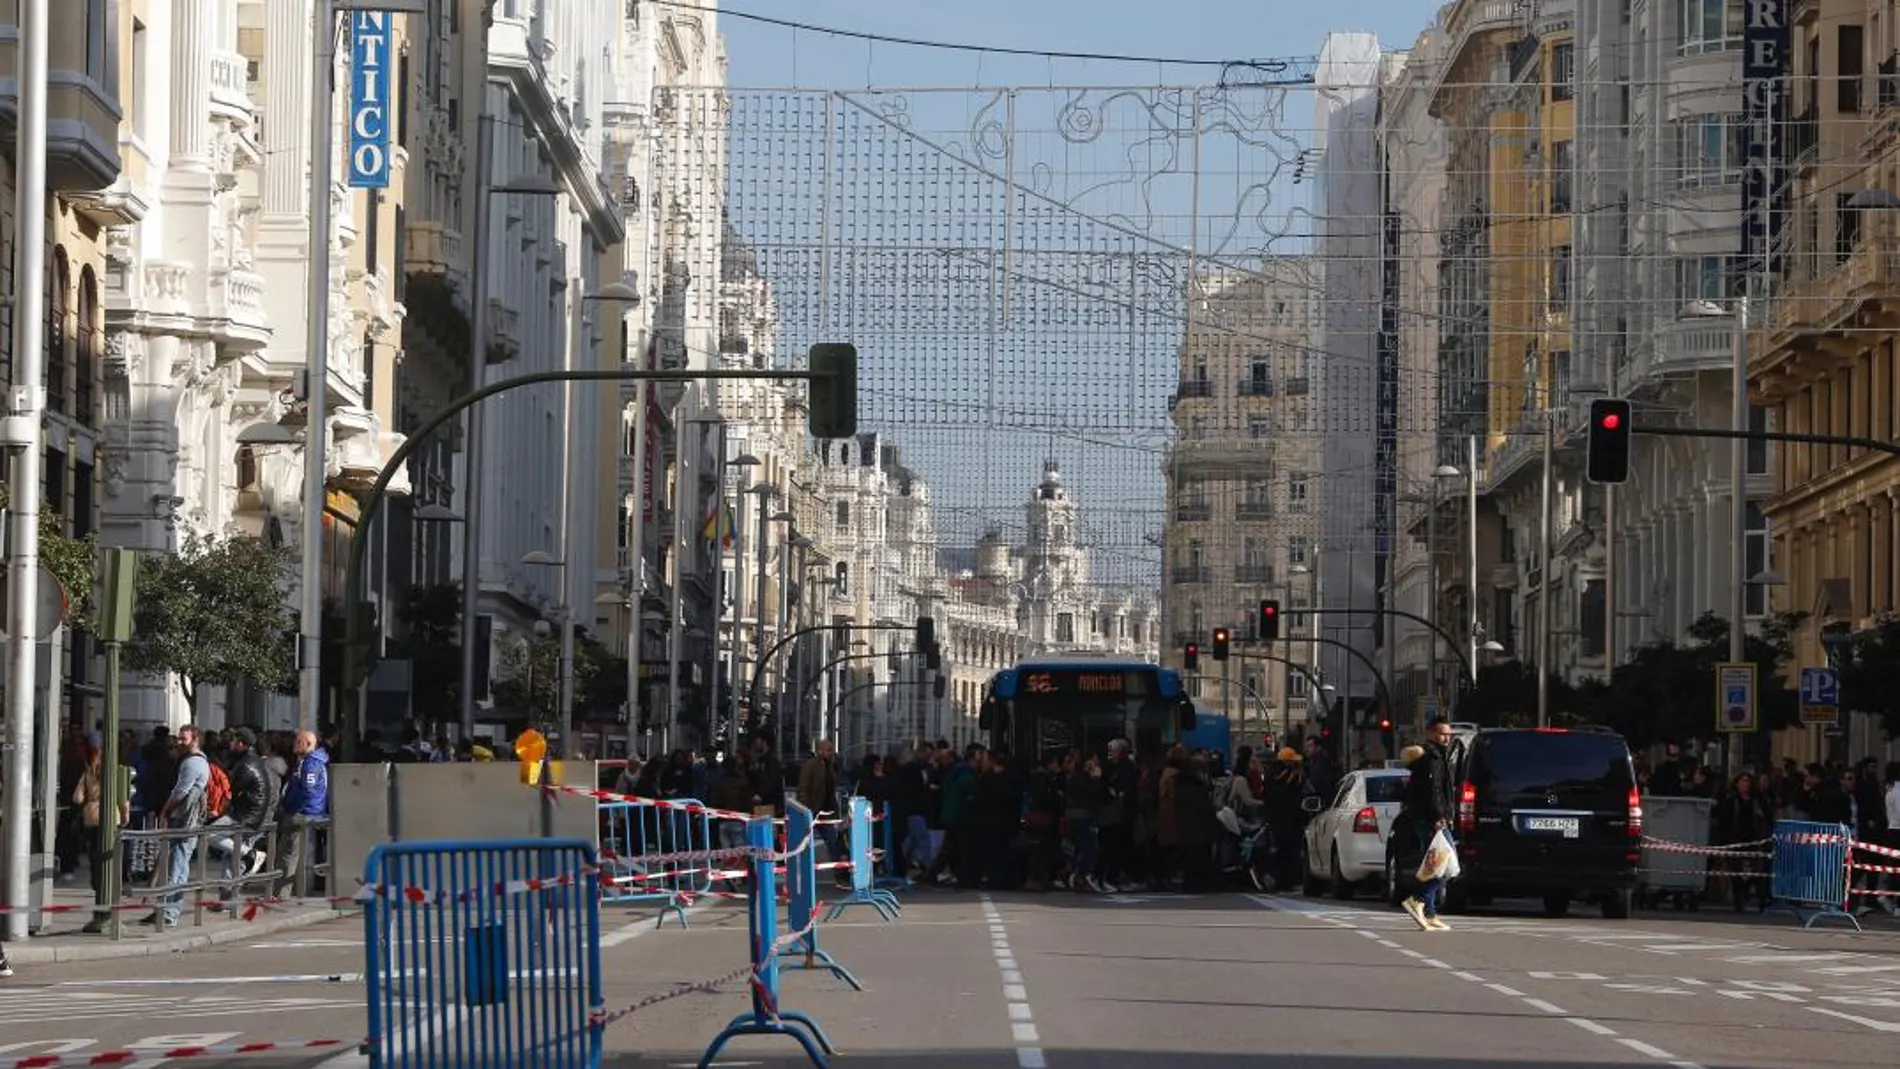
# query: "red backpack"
{"points": [[217, 791]]}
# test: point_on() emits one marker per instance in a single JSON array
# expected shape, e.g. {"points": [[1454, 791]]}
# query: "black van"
{"points": [[1550, 813]]}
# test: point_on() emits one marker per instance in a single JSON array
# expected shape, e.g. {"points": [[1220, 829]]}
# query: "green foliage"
{"points": [[75, 561], [1665, 692], [430, 617], [1870, 673], [215, 613], [1505, 695], [530, 680]]}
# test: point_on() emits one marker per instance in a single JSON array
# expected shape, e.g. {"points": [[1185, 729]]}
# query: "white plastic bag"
{"points": [[1440, 861]]}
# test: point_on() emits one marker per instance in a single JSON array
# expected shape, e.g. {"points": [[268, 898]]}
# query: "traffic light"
{"points": [[832, 411], [1221, 641], [1609, 441], [927, 643], [1191, 657], [1387, 737], [1269, 620]]}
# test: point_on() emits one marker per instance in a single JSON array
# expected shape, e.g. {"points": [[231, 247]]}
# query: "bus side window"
{"points": [[1184, 716], [990, 716]]}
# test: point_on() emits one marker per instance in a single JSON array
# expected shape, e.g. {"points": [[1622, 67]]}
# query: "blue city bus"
{"points": [[1061, 704]]}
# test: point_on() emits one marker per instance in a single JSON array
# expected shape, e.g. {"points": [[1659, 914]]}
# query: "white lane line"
{"points": [[1029, 1054], [627, 933], [1588, 1025], [1878, 1026]]}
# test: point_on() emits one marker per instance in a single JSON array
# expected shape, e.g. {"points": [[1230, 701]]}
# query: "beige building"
{"points": [[1240, 474]]}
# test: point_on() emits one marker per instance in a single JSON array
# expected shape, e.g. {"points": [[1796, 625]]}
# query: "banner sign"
{"points": [[1765, 69], [370, 104]]}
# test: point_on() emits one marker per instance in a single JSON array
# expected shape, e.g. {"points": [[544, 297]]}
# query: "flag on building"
{"points": [[718, 525]]}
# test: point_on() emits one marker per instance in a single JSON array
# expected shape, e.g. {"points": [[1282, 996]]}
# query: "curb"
{"points": [[107, 950]]}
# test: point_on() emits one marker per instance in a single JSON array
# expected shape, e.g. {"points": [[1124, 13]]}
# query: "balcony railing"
{"points": [[1182, 574], [56, 370], [1253, 573], [1196, 388], [1193, 512], [1253, 511], [1255, 387], [1804, 133], [1887, 82]]}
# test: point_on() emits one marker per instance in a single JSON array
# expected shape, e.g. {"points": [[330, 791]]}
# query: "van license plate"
{"points": [[1566, 826]]}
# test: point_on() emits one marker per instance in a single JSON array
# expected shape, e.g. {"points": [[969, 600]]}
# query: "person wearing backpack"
{"points": [[249, 801], [184, 812]]}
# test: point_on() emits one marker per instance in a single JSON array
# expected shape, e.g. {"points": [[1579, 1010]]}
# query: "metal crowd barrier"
{"points": [[631, 831], [1809, 873], [864, 890], [483, 955], [200, 880]]}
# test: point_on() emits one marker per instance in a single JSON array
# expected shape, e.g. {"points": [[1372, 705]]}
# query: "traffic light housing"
{"points": [[1609, 441], [927, 643], [1191, 657], [1222, 640], [832, 409], [1388, 736], [1269, 620]]}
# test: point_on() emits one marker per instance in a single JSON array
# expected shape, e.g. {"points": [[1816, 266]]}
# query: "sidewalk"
{"points": [[65, 941]]}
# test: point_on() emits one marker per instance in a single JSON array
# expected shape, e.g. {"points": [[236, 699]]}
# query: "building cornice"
{"points": [[512, 57]]}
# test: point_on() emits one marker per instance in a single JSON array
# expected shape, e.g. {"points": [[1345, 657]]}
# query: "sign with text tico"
{"points": [[370, 104], [1735, 696]]}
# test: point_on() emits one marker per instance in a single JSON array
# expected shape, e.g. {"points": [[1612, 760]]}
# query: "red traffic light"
{"points": [[1193, 649], [1611, 421], [1385, 725], [1269, 610]]}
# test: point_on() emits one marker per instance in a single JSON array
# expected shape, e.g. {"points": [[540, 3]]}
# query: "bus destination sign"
{"points": [[1113, 684]]}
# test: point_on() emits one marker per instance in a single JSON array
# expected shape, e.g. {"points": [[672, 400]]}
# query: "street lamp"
{"points": [[736, 596], [565, 692], [1737, 484]]}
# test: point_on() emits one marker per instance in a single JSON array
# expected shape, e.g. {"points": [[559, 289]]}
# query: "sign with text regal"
{"points": [[1764, 130], [370, 105]]}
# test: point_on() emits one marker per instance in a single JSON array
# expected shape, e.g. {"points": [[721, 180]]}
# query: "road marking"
{"points": [[1506, 991], [1434, 963], [1470, 976], [1591, 1026], [1546, 1007], [1015, 993], [627, 933], [305, 978], [1878, 1026]]}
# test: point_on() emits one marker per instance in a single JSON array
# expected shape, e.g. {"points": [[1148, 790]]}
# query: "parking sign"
{"points": [[1735, 697], [1820, 696]]}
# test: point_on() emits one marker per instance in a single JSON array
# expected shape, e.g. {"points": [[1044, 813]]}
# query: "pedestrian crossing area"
{"points": [[39, 1005], [1843, 966]]}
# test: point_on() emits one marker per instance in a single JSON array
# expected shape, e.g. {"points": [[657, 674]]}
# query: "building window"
{"points": [[1563, 71], [1065, 627], [1846, 227], [1296, 491], [1560, 279], [1710, 149], [1296, 550], [1710, 26], [1703, 278], [139, 103], [1754, 560], [1296, 685], [1259, 428], [1563, 165], [842, 521], [1757, 448], [1590, 618]]}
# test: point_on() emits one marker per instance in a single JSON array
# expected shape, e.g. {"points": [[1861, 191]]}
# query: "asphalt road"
{"points": [[1098, 983]]}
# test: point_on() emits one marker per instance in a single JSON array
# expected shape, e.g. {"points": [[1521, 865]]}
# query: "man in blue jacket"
{"points": [[306, 801]]}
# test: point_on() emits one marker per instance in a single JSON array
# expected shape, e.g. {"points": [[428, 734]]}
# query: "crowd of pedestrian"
{"points": [[1864, 796]]}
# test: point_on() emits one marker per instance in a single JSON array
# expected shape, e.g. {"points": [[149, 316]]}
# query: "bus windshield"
{"points": [[1059, 709]]}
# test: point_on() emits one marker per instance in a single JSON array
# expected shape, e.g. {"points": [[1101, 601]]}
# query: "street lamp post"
{"points": [[1737, 492], [565, 678]]}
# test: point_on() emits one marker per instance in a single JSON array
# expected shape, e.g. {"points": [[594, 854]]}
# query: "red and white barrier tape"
{"points": [[695, 808], [1876, 848], [128, 1057], [603, 1018], [1669, 846]]}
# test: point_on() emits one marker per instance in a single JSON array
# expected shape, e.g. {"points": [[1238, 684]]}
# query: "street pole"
{"points": [[1609, 581], [684, 475], [1543, 570], [316, 373], [23, 437], [1471, 559], [644, 496], [1431, 601], [734, 654], [472, 423], [716, 552], [1227, 692], [759, 581], [1738, 509]]}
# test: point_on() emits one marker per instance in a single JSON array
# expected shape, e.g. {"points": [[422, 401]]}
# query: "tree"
{"points": [[1665, 692], [1870, 673], [601, 678], [215, 613], [531, 679], [431, 616], [1505, 695]]}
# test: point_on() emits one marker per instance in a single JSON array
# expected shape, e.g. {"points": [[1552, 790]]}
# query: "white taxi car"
{"points": [[1345, 840]]}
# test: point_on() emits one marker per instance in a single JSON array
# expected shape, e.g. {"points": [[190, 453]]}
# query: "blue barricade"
{"points": [[892, 877], [632, 831], [767, 1017], [864, 891], [1809, 872], [801, 880], [483, 955]]}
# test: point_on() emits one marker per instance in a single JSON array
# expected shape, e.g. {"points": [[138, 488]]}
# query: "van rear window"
{"points": [[1536, 762]]}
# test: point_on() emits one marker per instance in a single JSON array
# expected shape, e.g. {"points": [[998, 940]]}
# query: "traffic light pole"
{"points": [[1892, 449]]}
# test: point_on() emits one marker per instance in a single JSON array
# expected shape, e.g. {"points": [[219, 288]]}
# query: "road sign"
{"points": [[1735, 696], [1820, 696]]}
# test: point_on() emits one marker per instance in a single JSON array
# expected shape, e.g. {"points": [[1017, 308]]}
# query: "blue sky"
{"points": [[1077, 362], [1212, 29]]}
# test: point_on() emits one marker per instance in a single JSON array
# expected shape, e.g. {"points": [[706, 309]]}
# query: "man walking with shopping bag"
{"points": [[1430, 805]]}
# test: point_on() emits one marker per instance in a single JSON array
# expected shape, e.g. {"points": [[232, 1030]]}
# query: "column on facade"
{"points": [[194, 29], [287, 61], [1887, 551]]}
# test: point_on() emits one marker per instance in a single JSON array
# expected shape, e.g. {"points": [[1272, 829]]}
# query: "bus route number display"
{"points": [[1113, 683]]}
